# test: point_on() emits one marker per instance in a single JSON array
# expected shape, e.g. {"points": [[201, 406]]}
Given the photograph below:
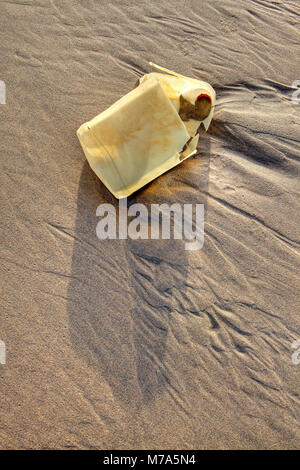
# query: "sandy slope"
{"points": [[141, 344]]}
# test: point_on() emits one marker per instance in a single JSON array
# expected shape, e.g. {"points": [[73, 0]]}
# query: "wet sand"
{"points": [[142, 344]]}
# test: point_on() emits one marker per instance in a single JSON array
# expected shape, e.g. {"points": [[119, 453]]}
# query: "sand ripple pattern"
{"points": [[141, 344]]}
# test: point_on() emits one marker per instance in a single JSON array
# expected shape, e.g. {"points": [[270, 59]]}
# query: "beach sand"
{"points": [[123, 344]]}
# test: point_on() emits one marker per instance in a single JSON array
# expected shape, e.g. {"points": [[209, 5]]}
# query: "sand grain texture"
{"points": [[141, 344]]}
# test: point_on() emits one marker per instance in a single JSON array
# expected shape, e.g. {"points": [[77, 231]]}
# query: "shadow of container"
{"points": [[121, 292]]}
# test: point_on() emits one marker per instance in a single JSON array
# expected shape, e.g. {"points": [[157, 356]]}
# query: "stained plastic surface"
{"points": [[148, 131]]}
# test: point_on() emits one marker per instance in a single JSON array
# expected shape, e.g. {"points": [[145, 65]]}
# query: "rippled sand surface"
{"points": [[142, 344]]}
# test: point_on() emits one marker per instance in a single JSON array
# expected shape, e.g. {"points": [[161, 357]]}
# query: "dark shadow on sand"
{"points": [[121, 292]]}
